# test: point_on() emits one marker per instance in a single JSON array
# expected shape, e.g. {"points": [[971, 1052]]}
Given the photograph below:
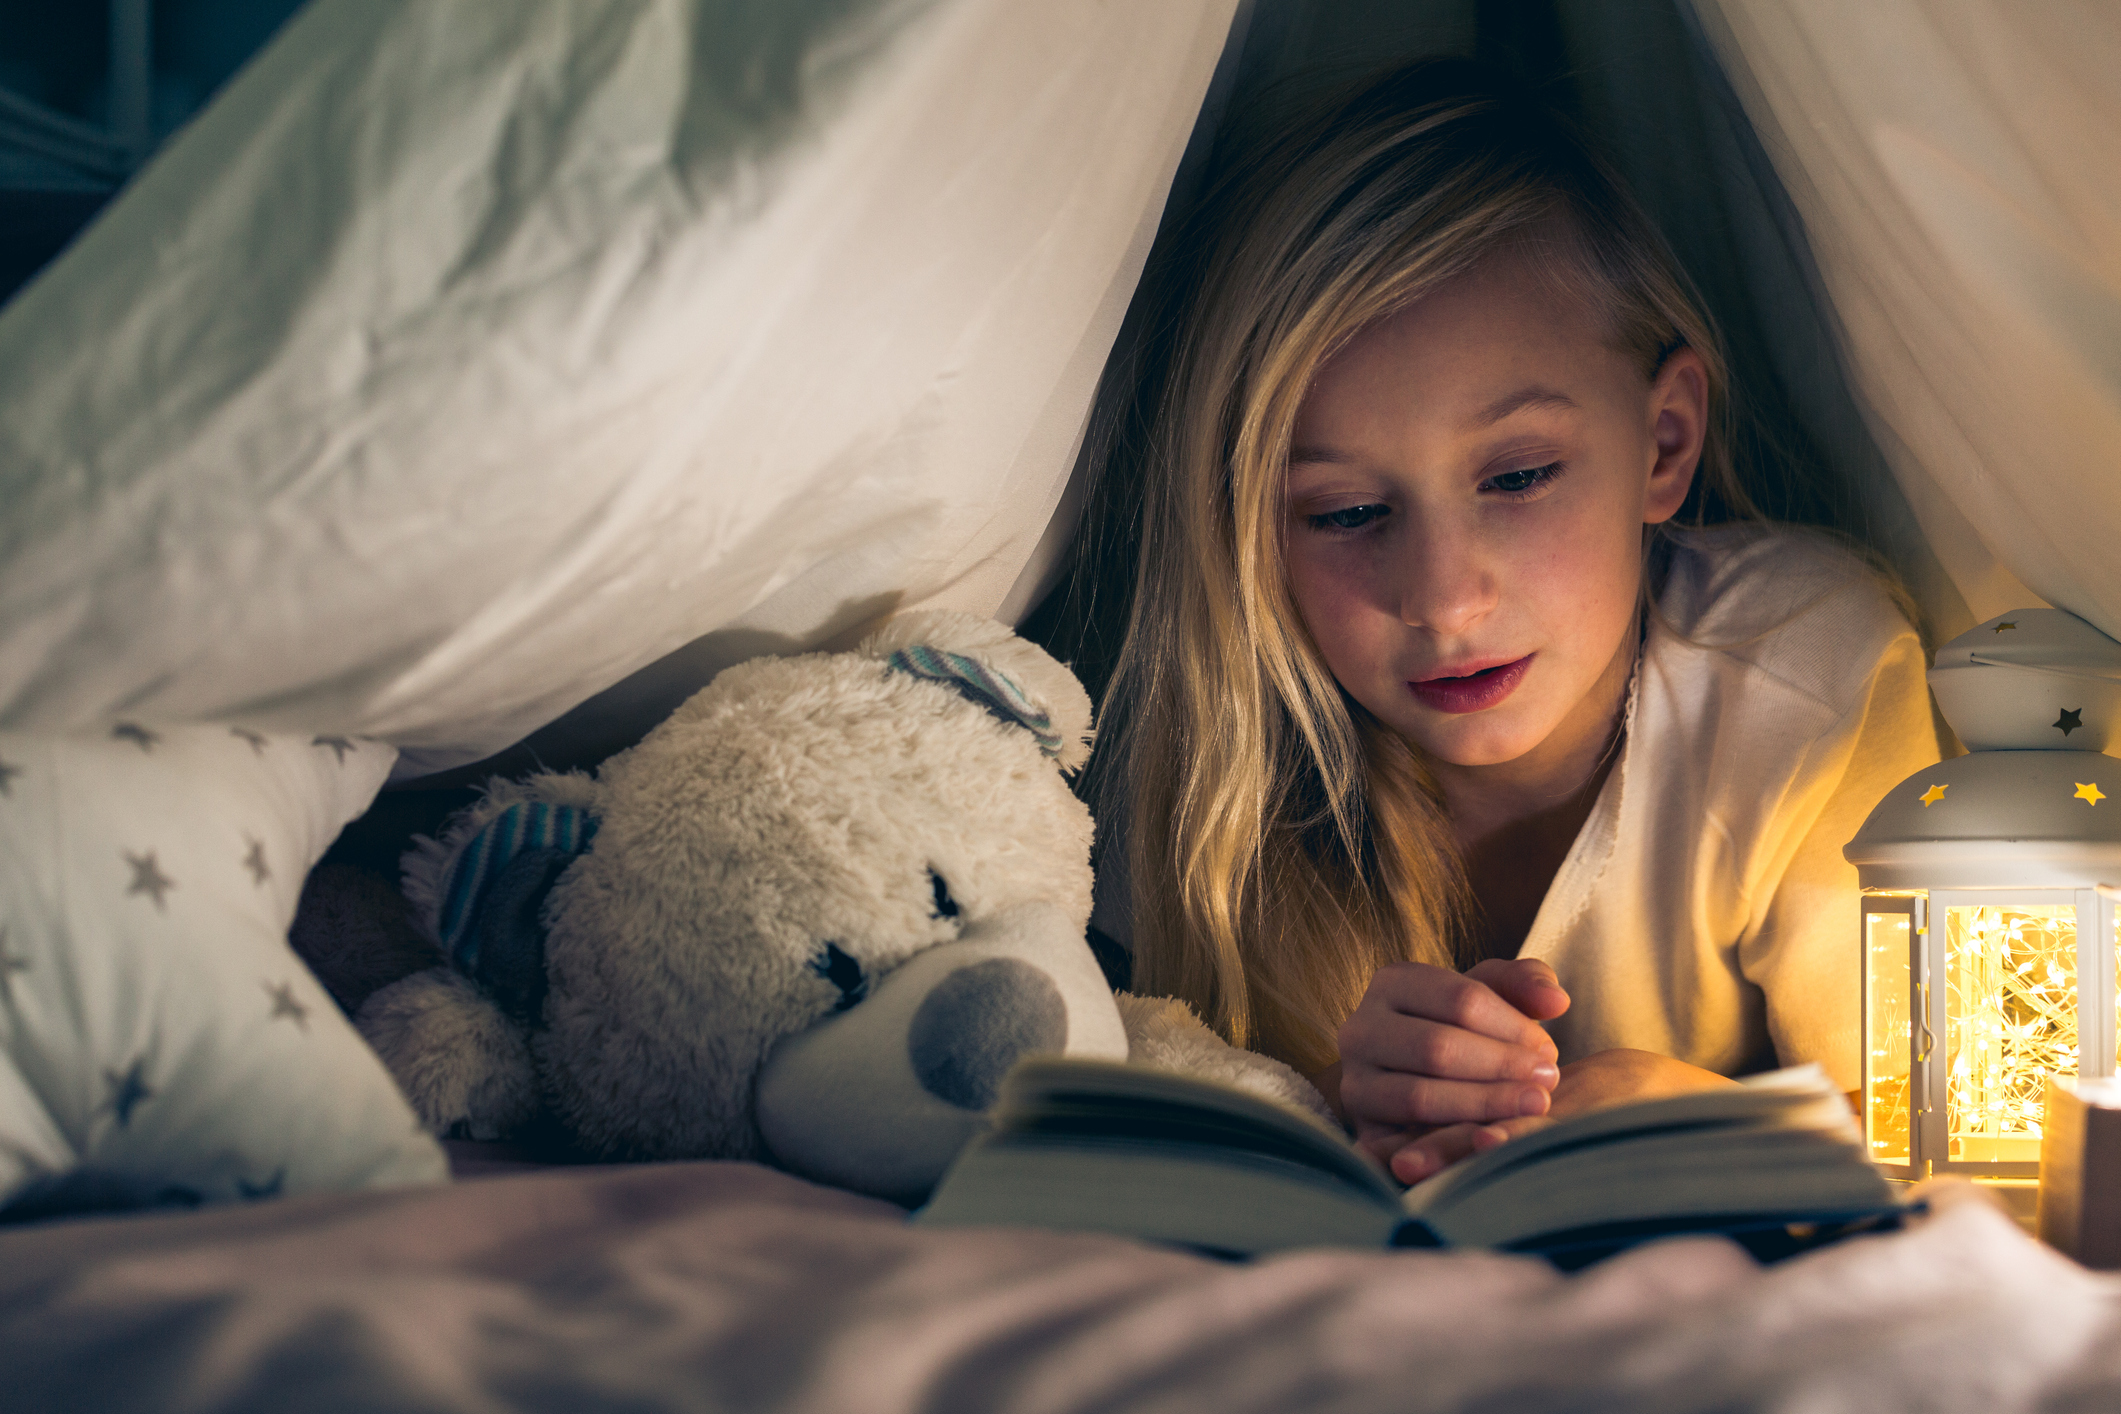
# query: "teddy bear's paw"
{"points": [[1163, 1032], [462, 1064]]}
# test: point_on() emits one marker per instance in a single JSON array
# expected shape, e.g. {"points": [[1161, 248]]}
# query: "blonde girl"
{"points": [[1439, 761]]}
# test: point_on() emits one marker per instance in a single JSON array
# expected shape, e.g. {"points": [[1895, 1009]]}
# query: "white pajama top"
{"points": [[1705, 911]]}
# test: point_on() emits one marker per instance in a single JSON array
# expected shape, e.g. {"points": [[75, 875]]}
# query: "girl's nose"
{"points": [[1445, 583]]}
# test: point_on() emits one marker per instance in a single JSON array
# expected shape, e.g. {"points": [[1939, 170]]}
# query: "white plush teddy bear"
{"points": [[813, 916]]}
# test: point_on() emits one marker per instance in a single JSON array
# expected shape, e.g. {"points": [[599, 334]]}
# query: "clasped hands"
{"points": [[1437, 1065]]}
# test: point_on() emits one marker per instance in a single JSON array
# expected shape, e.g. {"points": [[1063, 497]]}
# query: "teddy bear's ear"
{"points": [[1010, 676]]}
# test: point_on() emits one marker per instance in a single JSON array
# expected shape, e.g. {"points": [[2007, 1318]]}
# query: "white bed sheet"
{"points": [[726, 1286]]}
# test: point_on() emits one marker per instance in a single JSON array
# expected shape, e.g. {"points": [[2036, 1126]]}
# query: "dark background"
{"points": [[57, 54]]}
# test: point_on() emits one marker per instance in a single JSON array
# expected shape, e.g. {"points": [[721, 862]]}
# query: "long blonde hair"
{"points": [[1280, 842]]}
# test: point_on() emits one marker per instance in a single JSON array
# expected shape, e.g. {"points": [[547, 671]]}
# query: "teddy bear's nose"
{"points": [[979, 1021]]}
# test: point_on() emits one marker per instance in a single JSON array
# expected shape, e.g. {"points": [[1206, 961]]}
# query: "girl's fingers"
{"points": [[1416, 1046], [1437, 1150], [1431, 1153], [1389, 1098], [1380, 1143], [1439, 994], [1428, 1047], [1525, 983]]}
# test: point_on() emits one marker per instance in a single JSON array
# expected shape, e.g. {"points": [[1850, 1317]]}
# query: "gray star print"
{"points": [[338, 744], [148, 878], [260, 871], [127, 1091], [256, 739], [137, 735], [7, 778], [285, 1003]]}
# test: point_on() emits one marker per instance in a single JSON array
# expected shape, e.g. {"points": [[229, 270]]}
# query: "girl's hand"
{"points": [[1435, 1064], [1621, 1077], [1597, 1082]]}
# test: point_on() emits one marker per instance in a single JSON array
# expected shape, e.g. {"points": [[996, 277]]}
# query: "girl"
{"points": [[1420, 676]]}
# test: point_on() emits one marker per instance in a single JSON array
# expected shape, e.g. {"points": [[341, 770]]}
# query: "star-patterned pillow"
{"points": [[159, 1041]]}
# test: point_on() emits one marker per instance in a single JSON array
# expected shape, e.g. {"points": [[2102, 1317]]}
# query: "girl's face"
{"points": [[1467, 489]]}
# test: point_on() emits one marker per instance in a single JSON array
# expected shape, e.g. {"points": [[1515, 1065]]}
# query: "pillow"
{"points": [[159, 1041]]}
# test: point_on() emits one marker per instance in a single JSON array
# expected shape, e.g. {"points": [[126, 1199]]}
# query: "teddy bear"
{"points": [[813, 917]]}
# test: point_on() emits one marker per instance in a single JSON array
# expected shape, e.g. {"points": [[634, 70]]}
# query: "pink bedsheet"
{"points": [[729, 1287]]}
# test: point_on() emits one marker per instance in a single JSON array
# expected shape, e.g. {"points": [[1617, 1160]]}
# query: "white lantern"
{"points": [[1989, 903]]}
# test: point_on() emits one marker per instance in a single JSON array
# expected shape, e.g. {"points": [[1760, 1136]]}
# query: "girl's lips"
{"points": [[1475, 692]]}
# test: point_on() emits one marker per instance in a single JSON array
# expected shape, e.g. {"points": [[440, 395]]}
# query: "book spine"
{"points": [[1413, 1232]]}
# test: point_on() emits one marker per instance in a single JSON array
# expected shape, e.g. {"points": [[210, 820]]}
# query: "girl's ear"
{"points": [[1679, 424]]}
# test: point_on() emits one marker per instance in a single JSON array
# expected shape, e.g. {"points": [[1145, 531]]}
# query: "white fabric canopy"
{"points": [[1957, 164], [460, 360]]}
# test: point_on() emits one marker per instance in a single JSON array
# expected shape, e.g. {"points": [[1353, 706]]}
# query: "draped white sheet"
{"points": [[460, 360], [1957, 164]]}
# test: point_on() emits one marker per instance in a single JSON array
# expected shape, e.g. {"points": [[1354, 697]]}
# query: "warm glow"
{"points": [[1888, 1053], [2011, 1020]]}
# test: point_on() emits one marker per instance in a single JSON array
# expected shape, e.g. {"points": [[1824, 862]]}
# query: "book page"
{"points": [[1219, 1200], [1800, 1097], [1144, 1102]]}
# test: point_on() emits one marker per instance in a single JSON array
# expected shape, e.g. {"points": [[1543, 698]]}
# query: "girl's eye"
{"points": [[1348, 517], [1523, 482]]}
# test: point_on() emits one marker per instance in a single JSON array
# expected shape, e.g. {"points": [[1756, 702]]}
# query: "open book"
{"points": [[1777, 1161]]}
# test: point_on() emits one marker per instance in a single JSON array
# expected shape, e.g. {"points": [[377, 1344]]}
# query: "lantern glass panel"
{"points": [[1887, 1043], [2010, 1021]]}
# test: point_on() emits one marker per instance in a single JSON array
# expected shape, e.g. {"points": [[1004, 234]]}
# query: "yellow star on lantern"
{"points": [[1933, 795], [2089, 792], [2007, 623]]}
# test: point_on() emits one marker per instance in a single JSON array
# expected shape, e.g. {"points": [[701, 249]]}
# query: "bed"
{"points": [[710, 1286]]}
